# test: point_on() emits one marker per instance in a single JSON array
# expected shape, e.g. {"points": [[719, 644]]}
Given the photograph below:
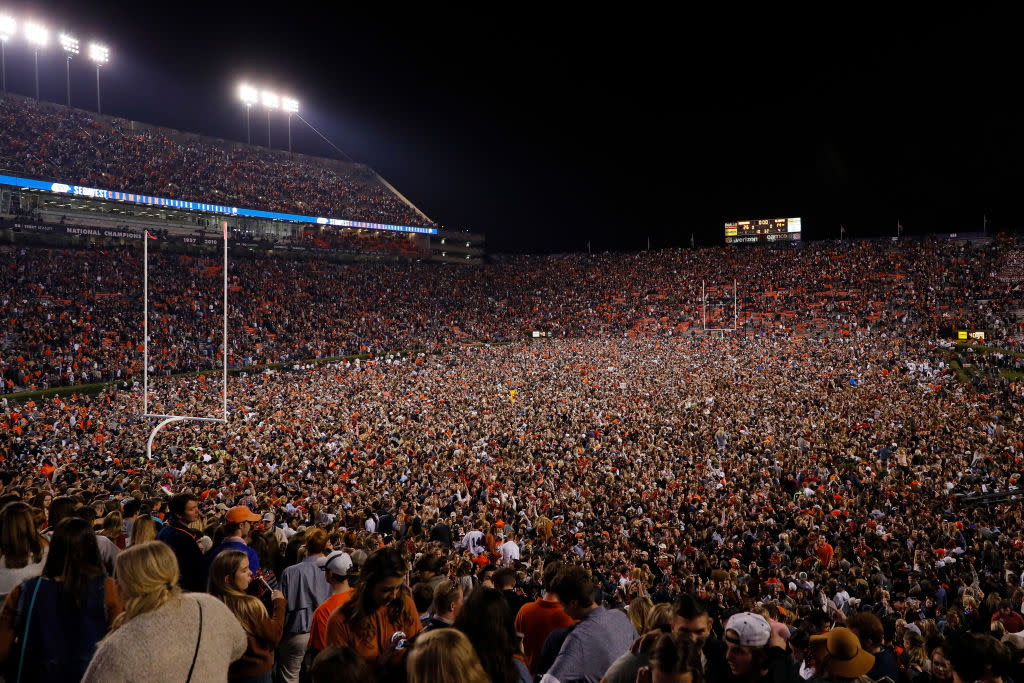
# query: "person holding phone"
{"points": [[380, 606], [230, 577]]}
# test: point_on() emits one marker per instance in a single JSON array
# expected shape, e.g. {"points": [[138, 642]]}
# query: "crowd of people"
{"points": [[51, 142], [605, 507], [75, 316]]}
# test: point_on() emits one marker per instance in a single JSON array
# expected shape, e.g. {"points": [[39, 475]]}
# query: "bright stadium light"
{"points": [[250, 96], [291, 106], [8, 27], [100, 55], [271, 101], [37, 36], [70, 46]]}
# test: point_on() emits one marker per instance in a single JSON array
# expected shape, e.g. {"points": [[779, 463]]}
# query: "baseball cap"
{"points": [[338, 562], [841, 648], [269, 517], [241, 513], [752, 630]]}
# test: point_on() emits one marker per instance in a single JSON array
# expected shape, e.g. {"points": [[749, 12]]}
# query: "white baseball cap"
{"points": [[752, 630], [338, 562]]}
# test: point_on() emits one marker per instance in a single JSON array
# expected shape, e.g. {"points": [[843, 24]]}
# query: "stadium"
{"points": [[264, 419]]}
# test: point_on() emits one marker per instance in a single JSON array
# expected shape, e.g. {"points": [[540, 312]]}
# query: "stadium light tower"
{"points": [[290, 106], [37, 36], [271, 101], [70, 46], [100, 55], [8, 26], [249, 96]]}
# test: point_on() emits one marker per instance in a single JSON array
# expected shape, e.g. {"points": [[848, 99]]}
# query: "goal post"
{"points": [[168, 419], [704, 309]]}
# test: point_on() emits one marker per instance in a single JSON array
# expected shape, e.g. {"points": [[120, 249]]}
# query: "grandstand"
{"points": [[119, 177]]}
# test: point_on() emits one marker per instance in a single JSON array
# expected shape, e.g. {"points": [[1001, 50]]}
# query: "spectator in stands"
{"points": [[50, 625], [22, 548], [305, 589], [978, 657], [839, 656], [340, 665], [753, 652], [444, 655], [445, 607], [164, 634], [184, 540], [675, 659], [229, 580], [337, 568], [597, 641], [868, 629], [536, 620], [380, 608], [485, 618]]}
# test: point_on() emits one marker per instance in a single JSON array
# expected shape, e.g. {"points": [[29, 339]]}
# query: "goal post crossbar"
{"points": [[168, 419]]}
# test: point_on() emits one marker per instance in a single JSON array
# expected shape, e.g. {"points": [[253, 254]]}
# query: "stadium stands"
{"points": [[50, 142], [88, 302]]}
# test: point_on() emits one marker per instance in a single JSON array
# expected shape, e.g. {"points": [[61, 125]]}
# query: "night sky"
{"points": [[547, 128]]}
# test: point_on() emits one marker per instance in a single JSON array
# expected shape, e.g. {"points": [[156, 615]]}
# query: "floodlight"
{"points": [[290, 105], [99, 53], [248, 94], [36, 35], [8, 27], [271, 100], [69, 44]]}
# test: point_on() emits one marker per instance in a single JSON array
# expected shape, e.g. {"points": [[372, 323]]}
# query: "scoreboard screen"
{"points": [[762, 230]]}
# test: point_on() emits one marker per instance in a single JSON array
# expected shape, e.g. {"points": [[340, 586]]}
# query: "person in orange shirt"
{"points": [[337, 567], [378, 611], [536, 620], [823, 549]]}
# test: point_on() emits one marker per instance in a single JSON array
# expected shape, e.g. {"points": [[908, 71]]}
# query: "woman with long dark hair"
{"points": [[22, 548], [487, 621], [50, 625], [380, 614]]}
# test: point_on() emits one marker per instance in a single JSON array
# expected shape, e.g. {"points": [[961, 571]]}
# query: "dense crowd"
{"points": [[74, 316], [774, 507], [51, 142]]}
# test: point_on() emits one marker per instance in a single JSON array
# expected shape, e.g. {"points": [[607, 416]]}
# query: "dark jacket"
{"points": [[184, 543]]}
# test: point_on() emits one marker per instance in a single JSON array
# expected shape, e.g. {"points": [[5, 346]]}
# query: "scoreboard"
{"points": [[762, 230]]}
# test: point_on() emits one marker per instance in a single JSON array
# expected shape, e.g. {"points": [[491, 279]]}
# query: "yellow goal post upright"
{"points": [[168, 419], [704, 310]]}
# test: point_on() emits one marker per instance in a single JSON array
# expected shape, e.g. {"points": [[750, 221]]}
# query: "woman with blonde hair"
{"points": [[163, 633], [143, 530], [444, 655], [229, 578], [639, 607]]}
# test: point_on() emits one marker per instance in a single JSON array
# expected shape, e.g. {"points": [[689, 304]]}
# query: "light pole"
{"points": [[290, 106], [70, 45], [100, 55], [38, 37], [8, 26], [271, 101], [249, 96]]}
